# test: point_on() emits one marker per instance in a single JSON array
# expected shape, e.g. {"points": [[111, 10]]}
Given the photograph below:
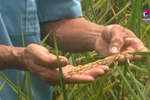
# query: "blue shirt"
{"points": [[19, 21]]}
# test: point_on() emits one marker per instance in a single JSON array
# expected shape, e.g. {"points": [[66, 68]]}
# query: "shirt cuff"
{"points": [[50, 10]]}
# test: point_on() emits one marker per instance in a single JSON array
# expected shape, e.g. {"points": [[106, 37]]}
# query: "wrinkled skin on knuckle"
{"points": [[112, 30], [117, 30]]}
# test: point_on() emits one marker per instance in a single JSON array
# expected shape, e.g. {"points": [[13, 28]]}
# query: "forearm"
{"points": [[73, 35], [11, 58]]}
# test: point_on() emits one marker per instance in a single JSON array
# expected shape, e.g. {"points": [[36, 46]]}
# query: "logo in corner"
{"points": [[146, 12]]}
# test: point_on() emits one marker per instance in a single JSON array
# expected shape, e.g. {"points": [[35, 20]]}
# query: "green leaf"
{"points": [[2, 86], [130, 90], [14, 87], [140, 53], [62, 81]]}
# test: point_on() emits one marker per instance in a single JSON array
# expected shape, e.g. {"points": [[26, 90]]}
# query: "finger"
{"points": [[104, 67], [63, 60], [117, 41], [123, 58], [87, 76], [79, 79], [97, 71], [53, 61], [134, 44]]}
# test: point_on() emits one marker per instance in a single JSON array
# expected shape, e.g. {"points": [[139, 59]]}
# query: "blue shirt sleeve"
{"points": [[50, 10]]}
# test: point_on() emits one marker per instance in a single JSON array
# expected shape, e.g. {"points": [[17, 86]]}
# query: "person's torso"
{"points": [[19, 26]]}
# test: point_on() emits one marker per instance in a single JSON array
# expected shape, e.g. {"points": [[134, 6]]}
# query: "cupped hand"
{"points": [[116, 38], [39, 61]]}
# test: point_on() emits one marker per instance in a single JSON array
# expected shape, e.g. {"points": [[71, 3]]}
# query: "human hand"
{"points": [[44, 64], [115, 38]]}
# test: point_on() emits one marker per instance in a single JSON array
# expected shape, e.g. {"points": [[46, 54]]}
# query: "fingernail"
{"points": [[114, 49]]}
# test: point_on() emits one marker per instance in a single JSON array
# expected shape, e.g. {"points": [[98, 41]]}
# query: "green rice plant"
{"points": [[2, 86], [126, 82], [62, 81], [13, 86]]}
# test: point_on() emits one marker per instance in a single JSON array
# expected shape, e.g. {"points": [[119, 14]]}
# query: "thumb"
{"points": [[114, 35], [53, 61], [116, 44], [63, 60]]}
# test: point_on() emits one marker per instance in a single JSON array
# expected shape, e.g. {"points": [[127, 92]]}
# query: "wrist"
{"points": [[11, 58], [94, 32], [18, 55]]}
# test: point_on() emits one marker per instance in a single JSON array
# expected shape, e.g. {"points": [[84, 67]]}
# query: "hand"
{"points": [[115, 38], [44, 64]]}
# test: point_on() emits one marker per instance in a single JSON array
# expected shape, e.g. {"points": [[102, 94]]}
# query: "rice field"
{"points": [[125, 82]]}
